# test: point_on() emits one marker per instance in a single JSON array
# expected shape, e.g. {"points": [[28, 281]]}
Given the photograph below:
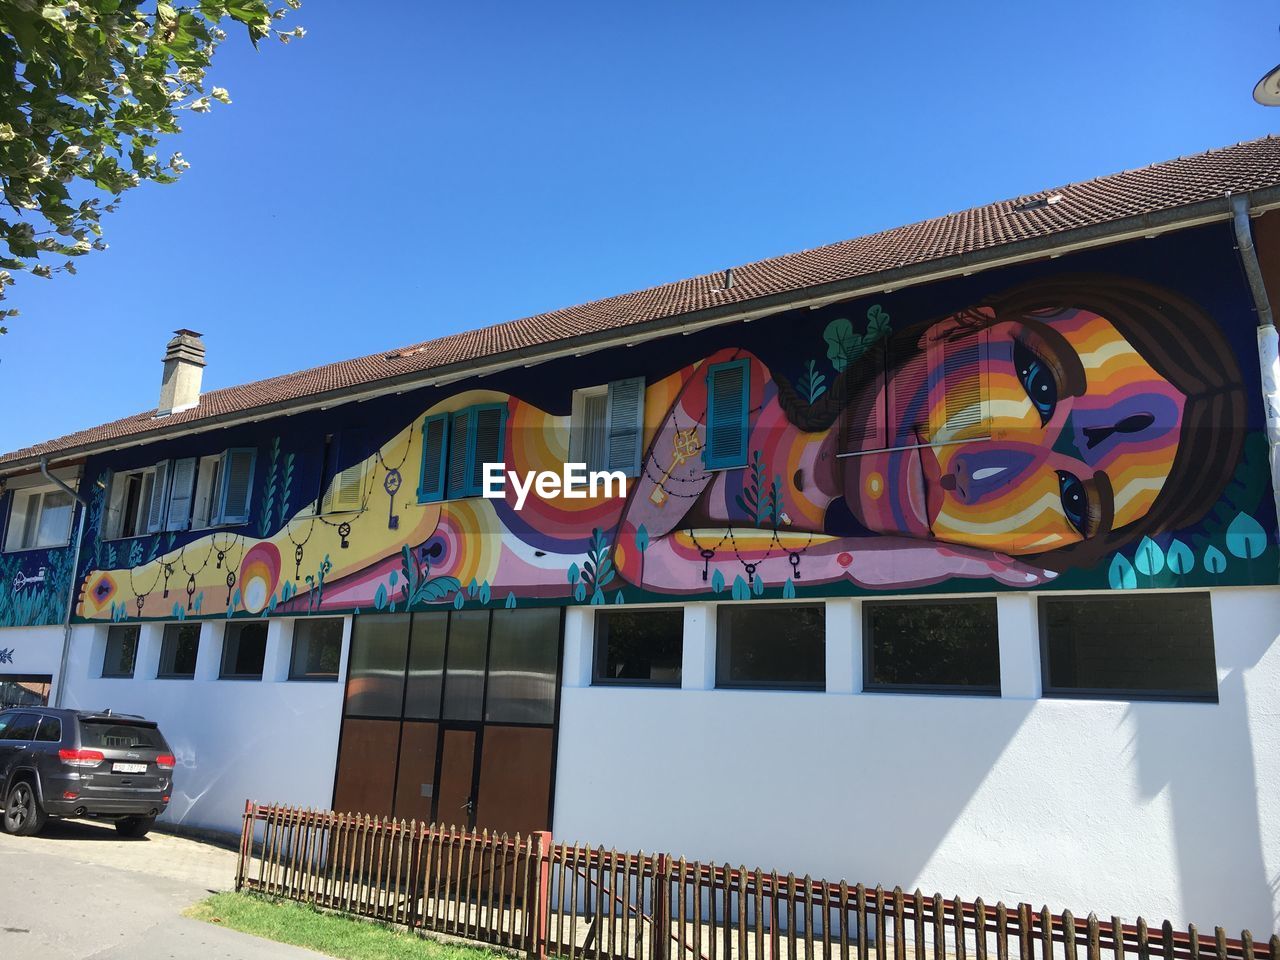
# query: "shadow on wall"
{"points": [[1208, 766]]}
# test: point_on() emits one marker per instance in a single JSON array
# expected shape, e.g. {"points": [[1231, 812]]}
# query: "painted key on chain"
{"points": [[684, 446], [391, 484], [344, 531], [297, 563]]}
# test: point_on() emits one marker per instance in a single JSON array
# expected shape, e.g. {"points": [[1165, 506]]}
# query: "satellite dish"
{"points": [[1267, 92]]}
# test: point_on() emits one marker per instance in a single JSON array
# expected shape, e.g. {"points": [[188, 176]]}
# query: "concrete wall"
{"points": [[31, 650], [271, 739], [1159, 809]]}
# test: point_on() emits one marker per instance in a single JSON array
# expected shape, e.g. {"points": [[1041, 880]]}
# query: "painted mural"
{"points": [[1071, 430]]}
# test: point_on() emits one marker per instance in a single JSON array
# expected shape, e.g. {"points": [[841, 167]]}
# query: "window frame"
{"points": [[109, 529], [787, 686], [106, 652], [240, 625], [41, 491], [1049, 691], [293, 674], [710, 462], [468, 490], [599, 650], [869, 685], [161, 673]]}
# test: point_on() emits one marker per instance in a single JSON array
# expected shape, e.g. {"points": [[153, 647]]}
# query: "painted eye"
{"points": [[1037, 379], [1075, 502]]}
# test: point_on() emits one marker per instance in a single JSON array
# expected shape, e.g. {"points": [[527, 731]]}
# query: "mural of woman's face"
{"points": [[1079, 438]]}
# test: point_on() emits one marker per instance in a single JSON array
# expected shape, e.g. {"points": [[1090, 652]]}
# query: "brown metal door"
{"points": [[416, 775], [515, 779], [456, 784]]}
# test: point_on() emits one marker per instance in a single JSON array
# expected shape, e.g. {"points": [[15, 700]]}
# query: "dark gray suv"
{"points": [[69, 763]]}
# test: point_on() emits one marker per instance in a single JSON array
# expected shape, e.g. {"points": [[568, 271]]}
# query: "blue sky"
{"points": [[436, 167]]}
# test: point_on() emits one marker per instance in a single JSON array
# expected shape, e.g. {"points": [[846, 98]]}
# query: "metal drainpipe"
{"points": [[71, 590], [1268, 336]]}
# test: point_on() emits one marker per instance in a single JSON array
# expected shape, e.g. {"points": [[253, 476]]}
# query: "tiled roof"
{"points": [[1055, 215]]}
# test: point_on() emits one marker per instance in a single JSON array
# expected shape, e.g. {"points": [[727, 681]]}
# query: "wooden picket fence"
{"points": [[541, 898]]}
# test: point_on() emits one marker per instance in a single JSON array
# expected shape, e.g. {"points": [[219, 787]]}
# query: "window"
{"points": [[455, 448], [892, 409], [1144, 646], [120, 734], [244, 649], [39, 518], [375, 673], [317, 649], [178, 494], [426, 665], [464, 665], [122, 650], [728, 403], [608, 426], [19, 726], [639, 647], [524, 653], [768, 645], [179, 648], [942, 646], [49, 731], [24, 690]]}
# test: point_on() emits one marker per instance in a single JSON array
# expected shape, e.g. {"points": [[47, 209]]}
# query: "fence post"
{"points": [[661, 907], [246, 843], [544, 895]]}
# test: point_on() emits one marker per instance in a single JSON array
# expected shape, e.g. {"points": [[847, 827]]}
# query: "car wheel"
{"points": [[136, 827], [23, 815]]}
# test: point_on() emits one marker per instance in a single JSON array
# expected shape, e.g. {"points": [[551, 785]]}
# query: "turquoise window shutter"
{"points": [[460, 430], [488, 442], [728, 401], [435, 445], [624, 426]]}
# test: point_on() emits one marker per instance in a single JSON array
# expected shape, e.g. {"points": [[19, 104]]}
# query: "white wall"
{"points": [[31, 650], [268, 740], [1159, 809]]}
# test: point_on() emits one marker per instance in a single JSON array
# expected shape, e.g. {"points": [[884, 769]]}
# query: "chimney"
{"points": [[183, 369]]}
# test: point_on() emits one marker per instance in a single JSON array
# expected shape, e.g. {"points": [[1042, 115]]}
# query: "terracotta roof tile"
{"points": [[1161, 187]]}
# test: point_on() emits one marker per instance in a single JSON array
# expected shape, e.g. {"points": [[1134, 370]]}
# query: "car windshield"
{"points": [[116, 735]]}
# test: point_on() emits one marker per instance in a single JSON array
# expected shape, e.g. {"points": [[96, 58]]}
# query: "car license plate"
{"points": [[128, 768]]}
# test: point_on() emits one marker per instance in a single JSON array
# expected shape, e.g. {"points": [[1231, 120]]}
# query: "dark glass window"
{"points": [[122, 650], [464, 672], [178, 651], [119, 734], [50, 730], [426, 665], [244, 649], [317, 648], [770, 645], [24, 690], [639, 646], [375, 675], [19, 726], [944, 646], [1156, 646], [523, 655]]}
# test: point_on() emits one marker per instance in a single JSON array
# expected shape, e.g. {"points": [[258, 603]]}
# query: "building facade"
{"points": [[958, 573]]}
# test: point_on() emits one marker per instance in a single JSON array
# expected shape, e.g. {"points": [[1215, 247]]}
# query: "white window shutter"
{"points": [[113, 513], [182, 483], [346, 492], [964, 412], [594, 431], [159, 496], [237, 485], [625, 425]]}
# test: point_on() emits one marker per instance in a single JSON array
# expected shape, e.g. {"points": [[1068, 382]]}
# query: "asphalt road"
{"points": [[77, 892]]}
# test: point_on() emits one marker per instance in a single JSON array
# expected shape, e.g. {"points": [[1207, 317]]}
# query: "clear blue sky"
{"points": [[434, 167]]}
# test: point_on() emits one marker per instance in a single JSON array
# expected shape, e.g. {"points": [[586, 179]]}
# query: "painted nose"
{"points": [[974, 477]]}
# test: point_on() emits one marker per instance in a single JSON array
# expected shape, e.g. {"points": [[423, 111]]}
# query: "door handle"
{"points": [[469, 806]]}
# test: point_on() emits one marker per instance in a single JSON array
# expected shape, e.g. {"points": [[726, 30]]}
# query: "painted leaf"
{"points": [[1214, 560], [485, 592], [877, 322], [1149, 558], [580, 591], [717, 582], [380, 597], [740, 589], [842, 342], [458, 600], [574, 573], [597, 598], [789, 590], [619, 599], [393, 578], [1181, 559], [642, 538], [757, 586], [472, 588], [1245, 537], [1121, 575], [510, 603], [178, 612]]}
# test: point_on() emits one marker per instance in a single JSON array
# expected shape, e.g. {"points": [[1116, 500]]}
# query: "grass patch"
{"points": [[334, 934]]}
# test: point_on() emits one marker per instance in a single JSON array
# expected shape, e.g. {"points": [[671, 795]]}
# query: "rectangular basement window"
{"points": [[122, 650], [244, 650], [1148, 646], [781, 646], [639, 647], [931, 646]]}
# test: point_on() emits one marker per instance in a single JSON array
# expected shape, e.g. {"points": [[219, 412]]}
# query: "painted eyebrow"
{"points": [[1102, 505], [1057, 352]]}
